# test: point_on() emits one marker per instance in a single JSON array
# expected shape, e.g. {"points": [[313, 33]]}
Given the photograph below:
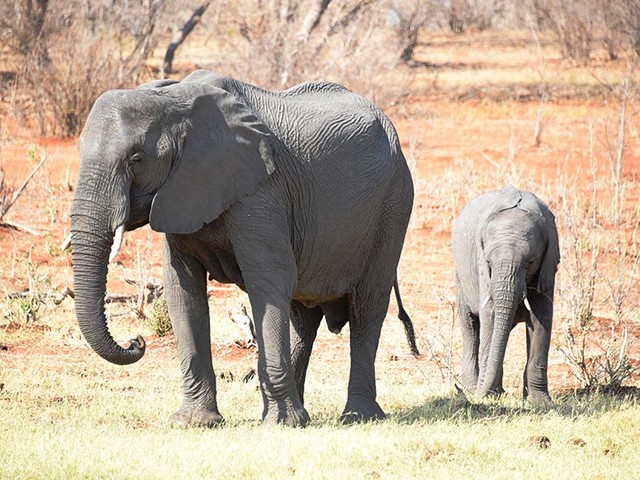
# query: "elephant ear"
{"points": [[551, 259], [549, 264], [224, 156]]}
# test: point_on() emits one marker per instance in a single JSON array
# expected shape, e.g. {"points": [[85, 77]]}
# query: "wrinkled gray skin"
{"points": [[301, 197], [505, 246]]}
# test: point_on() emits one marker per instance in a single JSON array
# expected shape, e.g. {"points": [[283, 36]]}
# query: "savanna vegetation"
{"points": [[540, 93]]}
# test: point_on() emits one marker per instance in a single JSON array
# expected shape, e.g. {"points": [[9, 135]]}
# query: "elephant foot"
{"points": [[468, 387], [285, 412], [493, 393], [190, 416], [360, 410], [539, 399]]}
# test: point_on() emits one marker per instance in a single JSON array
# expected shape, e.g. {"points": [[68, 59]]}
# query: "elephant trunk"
{"points": [[91, 242], [507, 291]]}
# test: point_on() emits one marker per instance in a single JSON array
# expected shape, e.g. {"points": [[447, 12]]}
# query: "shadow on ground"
{"points": [[457, 407]]}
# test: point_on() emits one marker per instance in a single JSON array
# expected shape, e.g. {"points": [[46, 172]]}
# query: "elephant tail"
{"points": [[406, 321]]}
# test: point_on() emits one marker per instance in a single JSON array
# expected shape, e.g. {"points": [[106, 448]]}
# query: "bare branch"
{"points": [[349, 16], [24, 185], [19, 227]]}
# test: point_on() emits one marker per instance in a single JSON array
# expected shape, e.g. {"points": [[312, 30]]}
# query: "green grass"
{"points": [[75, 416]]}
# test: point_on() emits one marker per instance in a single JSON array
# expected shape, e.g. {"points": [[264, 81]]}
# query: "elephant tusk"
{"points": [[486, 300], [117, 243], [526, 303], [66, 244]]}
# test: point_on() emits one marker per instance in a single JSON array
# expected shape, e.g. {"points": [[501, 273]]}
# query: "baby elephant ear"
{"points": [[551, 259], [225, 155]]}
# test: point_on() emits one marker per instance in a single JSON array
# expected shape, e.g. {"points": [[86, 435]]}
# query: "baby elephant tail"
{"points": [[406, 321]]}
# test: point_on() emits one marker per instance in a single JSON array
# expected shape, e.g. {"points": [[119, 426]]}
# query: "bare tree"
{"points": [[24, 20]]}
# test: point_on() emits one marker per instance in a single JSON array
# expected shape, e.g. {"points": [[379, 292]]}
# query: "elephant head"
{"points": [[518, 251], [172, 155]]}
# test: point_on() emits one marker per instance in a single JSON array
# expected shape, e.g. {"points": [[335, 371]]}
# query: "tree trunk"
{"points": [[181, 35], [312, 19]]}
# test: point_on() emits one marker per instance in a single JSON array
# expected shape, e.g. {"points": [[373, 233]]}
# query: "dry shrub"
{"points": [[22, 23], [159, 321], [65, 87], [572, 22], [272, 48], [596, 348], [79, 50], [579, 25], [600, 265], [620, 23], [479, 14]]}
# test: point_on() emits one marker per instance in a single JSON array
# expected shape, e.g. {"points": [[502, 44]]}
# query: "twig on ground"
{"points": [[19, 227]]}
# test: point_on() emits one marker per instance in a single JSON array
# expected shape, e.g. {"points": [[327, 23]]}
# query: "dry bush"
{"points": [[30, 305], [462, 15], [596, 350], [79, 50], [22, 22], [459, 14], [620, 22], [65, 88], [572, 22], [600, 263], [578, 25], [274, 48]]}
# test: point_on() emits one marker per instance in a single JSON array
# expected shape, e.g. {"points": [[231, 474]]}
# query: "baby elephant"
{"points": [[505, 247]]}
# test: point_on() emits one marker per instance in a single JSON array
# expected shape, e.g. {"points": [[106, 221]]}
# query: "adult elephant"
{"points": [[300, 197], [506, 253]]}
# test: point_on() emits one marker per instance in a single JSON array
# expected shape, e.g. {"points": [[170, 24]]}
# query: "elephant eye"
{"points": [[136, 157]]}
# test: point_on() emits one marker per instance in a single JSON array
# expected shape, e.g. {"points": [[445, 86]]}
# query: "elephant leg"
{"points": [[470, 325], [367, 311], [539, 323], [185, 284], [303, 329], [499, 388], [271, 306]]}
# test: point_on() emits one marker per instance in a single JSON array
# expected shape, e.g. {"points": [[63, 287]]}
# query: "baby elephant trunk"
{"points": [[506, 292]]}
